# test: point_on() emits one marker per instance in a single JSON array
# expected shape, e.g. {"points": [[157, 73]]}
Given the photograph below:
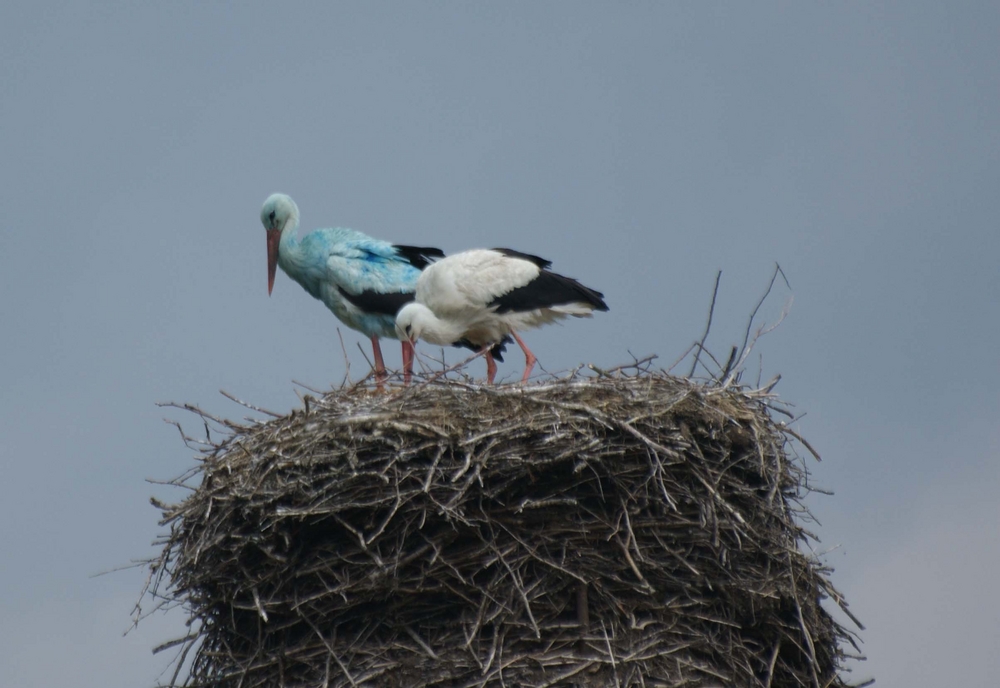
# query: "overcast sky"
{"points": [[640, 146]]}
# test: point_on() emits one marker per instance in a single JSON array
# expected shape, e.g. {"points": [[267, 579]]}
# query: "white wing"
{"points": [[462, 286]]}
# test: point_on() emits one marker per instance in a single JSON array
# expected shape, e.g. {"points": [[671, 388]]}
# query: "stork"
{"points": [[477, 298], [364, 281]]}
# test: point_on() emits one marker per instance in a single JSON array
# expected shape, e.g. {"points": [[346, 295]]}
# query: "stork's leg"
{"points": [[529, 358], [379, 363], [491, 366], [408, 354]]}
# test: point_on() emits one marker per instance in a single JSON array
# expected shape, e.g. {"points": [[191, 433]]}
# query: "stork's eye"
{"points": [[271, 216], [409, 329]]}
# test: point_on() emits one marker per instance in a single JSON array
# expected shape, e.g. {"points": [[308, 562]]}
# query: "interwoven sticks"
{"points": [[632, 531]]}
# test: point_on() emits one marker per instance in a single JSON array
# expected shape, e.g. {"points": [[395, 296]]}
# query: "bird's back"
{"points": [[361, 279], [470, 280]]}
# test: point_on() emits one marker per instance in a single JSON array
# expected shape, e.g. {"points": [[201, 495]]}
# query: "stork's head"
{"points": [[279, 212], [410, 321]]}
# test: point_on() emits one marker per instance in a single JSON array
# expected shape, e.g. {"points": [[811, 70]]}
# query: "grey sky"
{"points": [[640, 146]]}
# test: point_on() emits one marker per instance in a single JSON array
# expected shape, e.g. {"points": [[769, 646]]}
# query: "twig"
{"points": [[708, 325], [802, 440], [420, 641], [770, 665], [174, 643], [753, 315], [249, 406], [347, 360]]}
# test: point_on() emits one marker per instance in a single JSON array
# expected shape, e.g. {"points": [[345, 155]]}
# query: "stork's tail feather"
{"points": [[500, 347]]}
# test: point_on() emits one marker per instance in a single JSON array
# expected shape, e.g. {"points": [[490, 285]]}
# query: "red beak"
{"points": [[273, 239]]}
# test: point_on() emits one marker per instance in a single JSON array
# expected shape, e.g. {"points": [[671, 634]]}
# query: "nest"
{"points": [[637, 530]]}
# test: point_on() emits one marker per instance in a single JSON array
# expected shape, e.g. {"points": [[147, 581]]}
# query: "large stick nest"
{"points": [[614, 531]]}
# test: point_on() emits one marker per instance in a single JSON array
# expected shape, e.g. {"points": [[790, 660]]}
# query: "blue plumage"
{"points": [[363, 280], [327, 261]]}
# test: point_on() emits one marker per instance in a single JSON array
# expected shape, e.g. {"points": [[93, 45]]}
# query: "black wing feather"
{"points": [[378, 302], [418, 256], [497, 349], [545, 291]]}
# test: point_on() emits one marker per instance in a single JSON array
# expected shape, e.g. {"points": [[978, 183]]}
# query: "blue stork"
{"points": [[364, 281]]}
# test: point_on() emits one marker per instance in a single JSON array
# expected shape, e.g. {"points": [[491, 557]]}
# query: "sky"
{"points": [[640, 146]]}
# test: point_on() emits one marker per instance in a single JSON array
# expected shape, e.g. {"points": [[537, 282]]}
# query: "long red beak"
{"points": [[273, 239]]}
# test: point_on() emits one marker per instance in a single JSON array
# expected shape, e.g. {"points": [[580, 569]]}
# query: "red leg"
{"points": [[491, 367], [529, 358], [379, 363], [407, 361]]}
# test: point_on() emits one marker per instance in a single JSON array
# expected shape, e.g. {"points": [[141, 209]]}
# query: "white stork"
{"points": [[480, 297]]}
